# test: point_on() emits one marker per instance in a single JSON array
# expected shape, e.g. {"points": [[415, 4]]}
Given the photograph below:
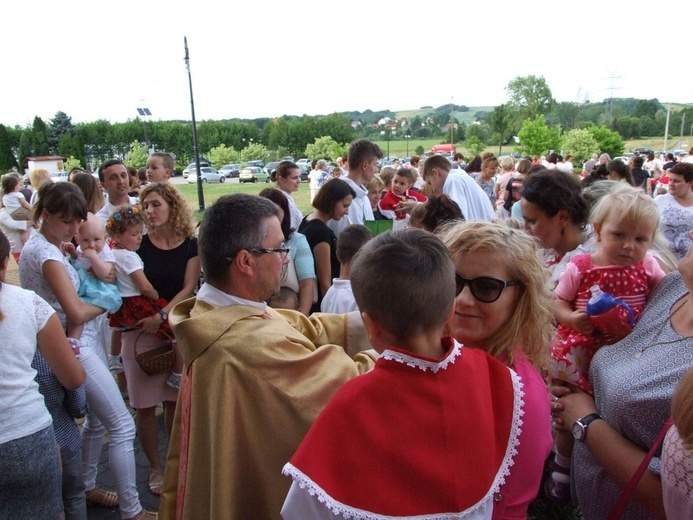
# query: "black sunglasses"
{"points": [[484, 288]]}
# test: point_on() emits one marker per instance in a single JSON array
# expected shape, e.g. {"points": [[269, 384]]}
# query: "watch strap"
{"points": [[587, 419]]}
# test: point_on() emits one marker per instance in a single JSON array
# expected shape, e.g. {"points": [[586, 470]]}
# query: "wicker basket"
{"points": [[156, 361]]}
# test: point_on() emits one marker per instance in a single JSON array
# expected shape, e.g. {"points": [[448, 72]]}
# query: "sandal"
{"points": [[156, 482], [102, 498]]}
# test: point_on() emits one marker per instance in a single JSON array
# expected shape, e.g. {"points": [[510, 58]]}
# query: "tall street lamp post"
{"points": [[200, 195]]}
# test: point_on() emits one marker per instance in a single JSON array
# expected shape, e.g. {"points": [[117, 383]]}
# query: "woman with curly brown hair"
{"points": [[172, 266]]}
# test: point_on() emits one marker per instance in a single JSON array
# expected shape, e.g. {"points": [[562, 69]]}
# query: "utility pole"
{"points": [[666, 128], [200, 195]]}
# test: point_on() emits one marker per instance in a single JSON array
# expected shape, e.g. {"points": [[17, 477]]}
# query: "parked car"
{"points": [[259, 164], [305, 161], [208, 174], [305, 170], [230, 170], [270, 166], [192, 167], [642, 150], [253, 174]]}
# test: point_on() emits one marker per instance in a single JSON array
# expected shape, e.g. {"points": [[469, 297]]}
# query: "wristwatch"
{"points": [[580, 426], [163, 314]]}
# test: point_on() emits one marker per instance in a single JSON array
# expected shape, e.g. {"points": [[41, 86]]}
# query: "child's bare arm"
{"points": [[143, 286], [104, 271], [577, 319], [24, 203]]}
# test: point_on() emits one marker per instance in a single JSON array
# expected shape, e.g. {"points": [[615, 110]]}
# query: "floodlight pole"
{"points": [[200, 195]]}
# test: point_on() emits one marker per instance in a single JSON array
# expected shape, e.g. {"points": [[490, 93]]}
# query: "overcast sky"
{"points": [[259, 58]]}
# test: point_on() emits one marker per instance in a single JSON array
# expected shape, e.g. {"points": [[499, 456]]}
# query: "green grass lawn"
{"points": [[212, 192]]}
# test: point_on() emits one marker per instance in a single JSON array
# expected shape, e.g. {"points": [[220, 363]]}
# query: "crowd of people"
{"points": [[456, 365]]}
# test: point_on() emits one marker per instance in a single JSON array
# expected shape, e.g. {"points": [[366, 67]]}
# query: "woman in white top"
{"points": [[46, 269], [288, 179], [30, 482], [676, 209]]}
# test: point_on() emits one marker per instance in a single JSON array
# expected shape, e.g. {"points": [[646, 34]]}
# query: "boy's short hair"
{"points": [[166, 159], [363, 150], [407, 174], [457, 156], [350, 240], [435, 161], [405, 280]]}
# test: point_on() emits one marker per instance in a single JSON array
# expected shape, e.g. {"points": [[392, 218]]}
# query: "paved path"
{"points": [[105, 476]]}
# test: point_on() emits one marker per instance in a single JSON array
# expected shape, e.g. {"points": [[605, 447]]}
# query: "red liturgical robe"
{"points": [[413, 437]]}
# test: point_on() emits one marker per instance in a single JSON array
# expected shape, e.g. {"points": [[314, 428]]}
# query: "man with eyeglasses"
{"points": [[255, 378]]}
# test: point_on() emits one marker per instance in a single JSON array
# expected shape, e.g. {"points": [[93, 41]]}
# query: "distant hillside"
{"points": [[463, 114]]}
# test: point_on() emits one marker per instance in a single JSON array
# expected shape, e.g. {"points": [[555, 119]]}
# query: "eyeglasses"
{"points": [[484, 288], [283, 251]]}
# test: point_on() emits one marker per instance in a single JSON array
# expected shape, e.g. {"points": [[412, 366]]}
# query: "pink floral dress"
{"points": [[572, 351]]}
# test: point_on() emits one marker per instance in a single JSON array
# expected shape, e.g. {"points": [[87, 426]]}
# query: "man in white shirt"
{"points": [[116, 183], [459, 186], [363, 158]]}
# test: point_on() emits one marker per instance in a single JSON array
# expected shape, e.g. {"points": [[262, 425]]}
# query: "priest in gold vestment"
{"points": [[255, 378]]}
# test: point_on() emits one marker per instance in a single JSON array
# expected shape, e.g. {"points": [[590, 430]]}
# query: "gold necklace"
{"points": [[655, 341]]}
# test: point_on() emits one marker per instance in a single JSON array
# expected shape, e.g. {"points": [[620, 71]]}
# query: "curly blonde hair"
{"points": [[180, 216], [531, 325]]}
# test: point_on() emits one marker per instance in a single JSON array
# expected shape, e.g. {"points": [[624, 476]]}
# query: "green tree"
{"points": [[137, 156], [474, 145], [609, 141], [530, 95], [65, 146], [646, 108], [221, 155], [39, 138], [536, 138], [325, 148], [419, 150], [7, 158], [255, 152], [580, 144], [72, 162], [566, 114], [78, 148], [24, 148], [60, 125], [482, 131], [336, 126], [499, 120]]}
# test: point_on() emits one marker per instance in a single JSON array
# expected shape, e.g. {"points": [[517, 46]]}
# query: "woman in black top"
{"points": [[172, 266], [331, 202]]}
